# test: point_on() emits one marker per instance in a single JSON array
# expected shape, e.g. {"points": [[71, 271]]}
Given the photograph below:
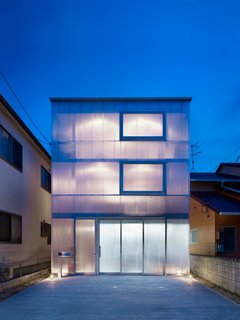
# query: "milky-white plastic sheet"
{"points": [[62, 240], [87, 152], [177, 247]]}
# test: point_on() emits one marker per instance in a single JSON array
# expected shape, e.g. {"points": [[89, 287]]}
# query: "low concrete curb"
{"points": [[9, 284]]}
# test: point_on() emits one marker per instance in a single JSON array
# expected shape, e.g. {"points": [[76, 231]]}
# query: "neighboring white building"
{"points": [[25, 199], [120, 195]]}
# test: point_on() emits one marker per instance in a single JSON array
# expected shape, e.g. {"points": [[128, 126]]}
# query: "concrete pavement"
{"points": [[119, 297]]}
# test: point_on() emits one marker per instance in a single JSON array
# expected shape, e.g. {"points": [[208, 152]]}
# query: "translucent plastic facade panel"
{"points": [[142, 177], [154, 247], [126, 150], [96, 126], [130, 205], [86, 178], [177, 127], [110, 246], [62, 240], [85, 246], [177, 247], [63, 126], [132, 247], [177, 178], [90, 146], [142, 125]]}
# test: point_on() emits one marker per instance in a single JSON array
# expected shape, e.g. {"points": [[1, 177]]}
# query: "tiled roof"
{"points": [[218, 201]]}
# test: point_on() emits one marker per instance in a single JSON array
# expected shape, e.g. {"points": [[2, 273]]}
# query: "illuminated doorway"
{"points": [[132, 246]]}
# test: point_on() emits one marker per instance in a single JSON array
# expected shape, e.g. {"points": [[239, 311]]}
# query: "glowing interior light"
{"points": [[142, 177], [96, 126], [143, 125]]}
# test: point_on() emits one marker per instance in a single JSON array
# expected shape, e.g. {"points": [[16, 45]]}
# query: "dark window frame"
{"points": [[45, 177], [11, 235], [143, 192], [142, 138], [12, 151], [193, 236]]}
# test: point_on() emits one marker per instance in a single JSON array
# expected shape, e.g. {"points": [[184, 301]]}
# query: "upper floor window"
{"points": [[45, 179], [142, 126], [141, 178], [10, 149], [10, 228]]}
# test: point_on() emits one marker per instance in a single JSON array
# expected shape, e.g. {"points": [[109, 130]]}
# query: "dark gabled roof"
{"points": [[218, 202], [23, 125], [204, 176], [231, 169], [114, 99]]}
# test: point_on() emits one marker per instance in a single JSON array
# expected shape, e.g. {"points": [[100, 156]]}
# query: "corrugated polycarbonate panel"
{"points": [[63, 121], [177, 127], [177, 178], [145, 125], [177, 247], [96, 126], [132, 247], [154, 247], [85, 131], [85, 246], [128, 150], [62, 240], [86, 178], [142, 177], [110, 246], [131, 205]]}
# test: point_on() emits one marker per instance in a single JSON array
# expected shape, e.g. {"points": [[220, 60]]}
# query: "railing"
{"points": [[11, 270]]}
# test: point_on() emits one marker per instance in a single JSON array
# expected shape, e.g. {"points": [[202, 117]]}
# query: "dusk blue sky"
{"points": [[134, 48]]}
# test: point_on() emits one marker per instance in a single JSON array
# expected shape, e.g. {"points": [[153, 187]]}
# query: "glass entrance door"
{"points": [[109, 252], [132, 246]]}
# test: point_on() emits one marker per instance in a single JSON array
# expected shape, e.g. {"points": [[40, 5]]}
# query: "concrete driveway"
{"points": [[119, 297]]}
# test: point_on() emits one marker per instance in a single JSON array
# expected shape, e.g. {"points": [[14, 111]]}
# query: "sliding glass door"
{"points": [[109, 250], [132, 246]]}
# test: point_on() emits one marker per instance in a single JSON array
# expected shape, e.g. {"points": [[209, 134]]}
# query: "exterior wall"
{"points": [[87, 144], [90, 153], [208, 224], [223, 272], [230, 221], [203, 221], [203, 186], [21, 194]]}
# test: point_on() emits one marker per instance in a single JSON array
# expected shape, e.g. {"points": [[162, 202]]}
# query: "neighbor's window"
{"points": [[193, 236], [10, 149], [10, 228], [142, 178], [229, 238], [45, 179], [146, 126]]}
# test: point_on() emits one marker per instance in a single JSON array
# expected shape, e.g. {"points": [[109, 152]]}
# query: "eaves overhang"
{"points": [[123, 99], [23, 125]]}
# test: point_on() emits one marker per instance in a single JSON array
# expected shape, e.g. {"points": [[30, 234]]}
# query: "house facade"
{"points": [[25, 200], [215, 212], [120, 197]]}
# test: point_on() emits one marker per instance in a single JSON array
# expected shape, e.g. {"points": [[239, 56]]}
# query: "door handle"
{"points": [[99, 251]]}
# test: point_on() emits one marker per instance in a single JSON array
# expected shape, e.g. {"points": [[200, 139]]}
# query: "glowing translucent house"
{"points": [[120, 175]]}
